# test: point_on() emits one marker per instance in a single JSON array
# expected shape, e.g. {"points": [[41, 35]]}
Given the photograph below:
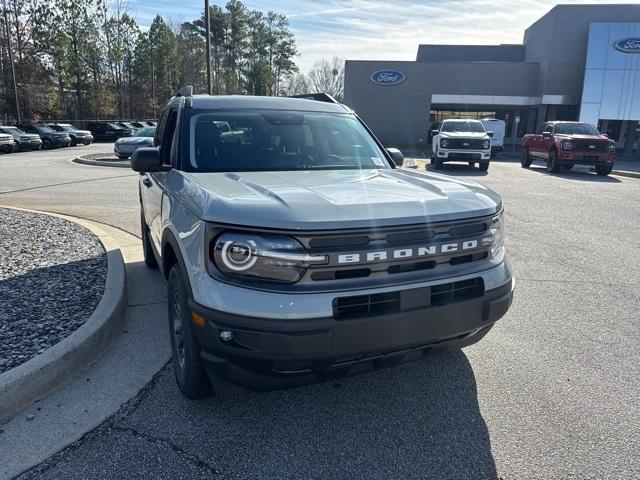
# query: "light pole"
{"points": [[13, 71], [208, 30]]}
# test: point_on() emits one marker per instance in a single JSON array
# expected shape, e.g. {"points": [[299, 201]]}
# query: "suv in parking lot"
{"points": [[108, 131], [565, 144], [461, 140], [296, 250], [83, 137], [50, 138], [24, 141]]}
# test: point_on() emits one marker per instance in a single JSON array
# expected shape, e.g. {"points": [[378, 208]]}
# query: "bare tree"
{"points": [[327, 76]]}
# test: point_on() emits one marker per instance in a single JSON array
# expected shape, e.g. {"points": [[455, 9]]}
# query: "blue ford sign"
{"points": [[628, 45], [387, 76]]}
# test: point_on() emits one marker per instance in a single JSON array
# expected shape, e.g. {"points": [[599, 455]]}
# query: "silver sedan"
{"points": [[143, 137]]}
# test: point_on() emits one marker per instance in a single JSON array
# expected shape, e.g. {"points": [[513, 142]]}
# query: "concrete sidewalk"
{"points": [[136, 355]]}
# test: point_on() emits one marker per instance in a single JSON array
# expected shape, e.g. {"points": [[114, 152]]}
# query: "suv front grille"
{"points": [[396, 254], [377, 304], [465, 143], [586, 146]]}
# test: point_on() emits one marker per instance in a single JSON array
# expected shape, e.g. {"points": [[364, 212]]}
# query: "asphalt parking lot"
{"points": [[550, 393]]}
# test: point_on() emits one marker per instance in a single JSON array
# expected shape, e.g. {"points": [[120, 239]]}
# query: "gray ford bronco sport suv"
{"points": [[295, 250]]}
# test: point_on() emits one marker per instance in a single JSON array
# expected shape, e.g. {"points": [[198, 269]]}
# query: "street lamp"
{"points": [[208, 30], [13, 71]]}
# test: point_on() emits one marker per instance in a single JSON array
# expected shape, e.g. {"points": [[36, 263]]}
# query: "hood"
{"points": [[583, 137], [135, 141], [328, 199], [464, 134]]}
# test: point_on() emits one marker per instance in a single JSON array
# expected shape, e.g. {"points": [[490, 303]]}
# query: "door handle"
{"points": [[146, 181]]}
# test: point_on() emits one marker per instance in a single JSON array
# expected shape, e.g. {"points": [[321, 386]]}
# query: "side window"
{"points": [[170, 118], [160, 129]]}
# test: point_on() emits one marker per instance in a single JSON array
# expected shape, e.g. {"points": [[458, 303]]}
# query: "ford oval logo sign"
{"points": [[388, 77], [628, 45]]}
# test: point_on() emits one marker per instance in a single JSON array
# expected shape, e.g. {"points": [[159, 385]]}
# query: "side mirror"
{"points": [[546, 135], [396, 156], [435, 132], [147, 159], [490, 134]]}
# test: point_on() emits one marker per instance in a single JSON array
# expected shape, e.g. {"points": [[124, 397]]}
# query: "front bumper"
{"points": [[268, 353], [86, 140], [8, 147], [30, 145], [60, 142], [464, 155], [586, 157]]}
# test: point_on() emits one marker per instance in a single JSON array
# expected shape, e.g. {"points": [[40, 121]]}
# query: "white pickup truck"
{"points": [[462, 140]]}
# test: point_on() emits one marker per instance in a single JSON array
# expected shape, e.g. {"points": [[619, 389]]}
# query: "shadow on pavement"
{"points": [[577, 173], [419, 420]]}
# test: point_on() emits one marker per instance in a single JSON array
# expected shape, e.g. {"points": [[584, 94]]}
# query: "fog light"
{"points": [[226, 335]]}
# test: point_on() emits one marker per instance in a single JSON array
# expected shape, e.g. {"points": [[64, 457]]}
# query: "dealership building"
{"points": [[578, 62]]}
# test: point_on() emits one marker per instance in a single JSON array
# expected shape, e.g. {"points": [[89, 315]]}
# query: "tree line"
{"points": [[90, 59]]}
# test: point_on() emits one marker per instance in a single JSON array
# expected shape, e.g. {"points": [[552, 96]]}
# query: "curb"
{"points": [[102, 163], [43, 373], [625, 173]]}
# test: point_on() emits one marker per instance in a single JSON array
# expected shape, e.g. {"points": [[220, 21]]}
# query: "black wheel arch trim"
{"points": [[168, 238]]}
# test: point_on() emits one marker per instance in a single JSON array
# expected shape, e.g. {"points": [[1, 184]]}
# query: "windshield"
{"points": [[280, 140], [12, 130], [145, 132], [462, 126], [113, 125], [44, 128], [576, 129]]}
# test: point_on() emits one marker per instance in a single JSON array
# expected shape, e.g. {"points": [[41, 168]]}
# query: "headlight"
{"points": [[496, 228], [567, 145], [444, 142], [266, 257], [486, 144], [612, 148]]}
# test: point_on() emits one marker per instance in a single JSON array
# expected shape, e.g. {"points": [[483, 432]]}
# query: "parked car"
{"points": [[124, 147], [7, 143], [108, 131], [461, 140], [24, 141], [83, 137], [50, 138], [565, 144], [294, 257], [129, 126], [498, 127]]}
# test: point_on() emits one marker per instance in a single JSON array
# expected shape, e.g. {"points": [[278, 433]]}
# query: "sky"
{"points": [[378, 29]]}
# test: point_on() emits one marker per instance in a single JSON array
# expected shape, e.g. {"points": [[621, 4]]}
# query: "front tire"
{"points": [[604, 170], [553, 166], [525, 160], [483, 166], [150, 259], [189, 370]]}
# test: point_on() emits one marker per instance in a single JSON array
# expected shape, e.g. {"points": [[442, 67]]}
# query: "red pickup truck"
{"points": [[565, 144]]}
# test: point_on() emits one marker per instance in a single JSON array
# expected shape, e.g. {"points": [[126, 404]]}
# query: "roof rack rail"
{"points": [[186, 91], [318, 97]]}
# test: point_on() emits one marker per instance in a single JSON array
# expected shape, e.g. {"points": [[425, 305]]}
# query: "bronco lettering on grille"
{"points": [[407, 253]]}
